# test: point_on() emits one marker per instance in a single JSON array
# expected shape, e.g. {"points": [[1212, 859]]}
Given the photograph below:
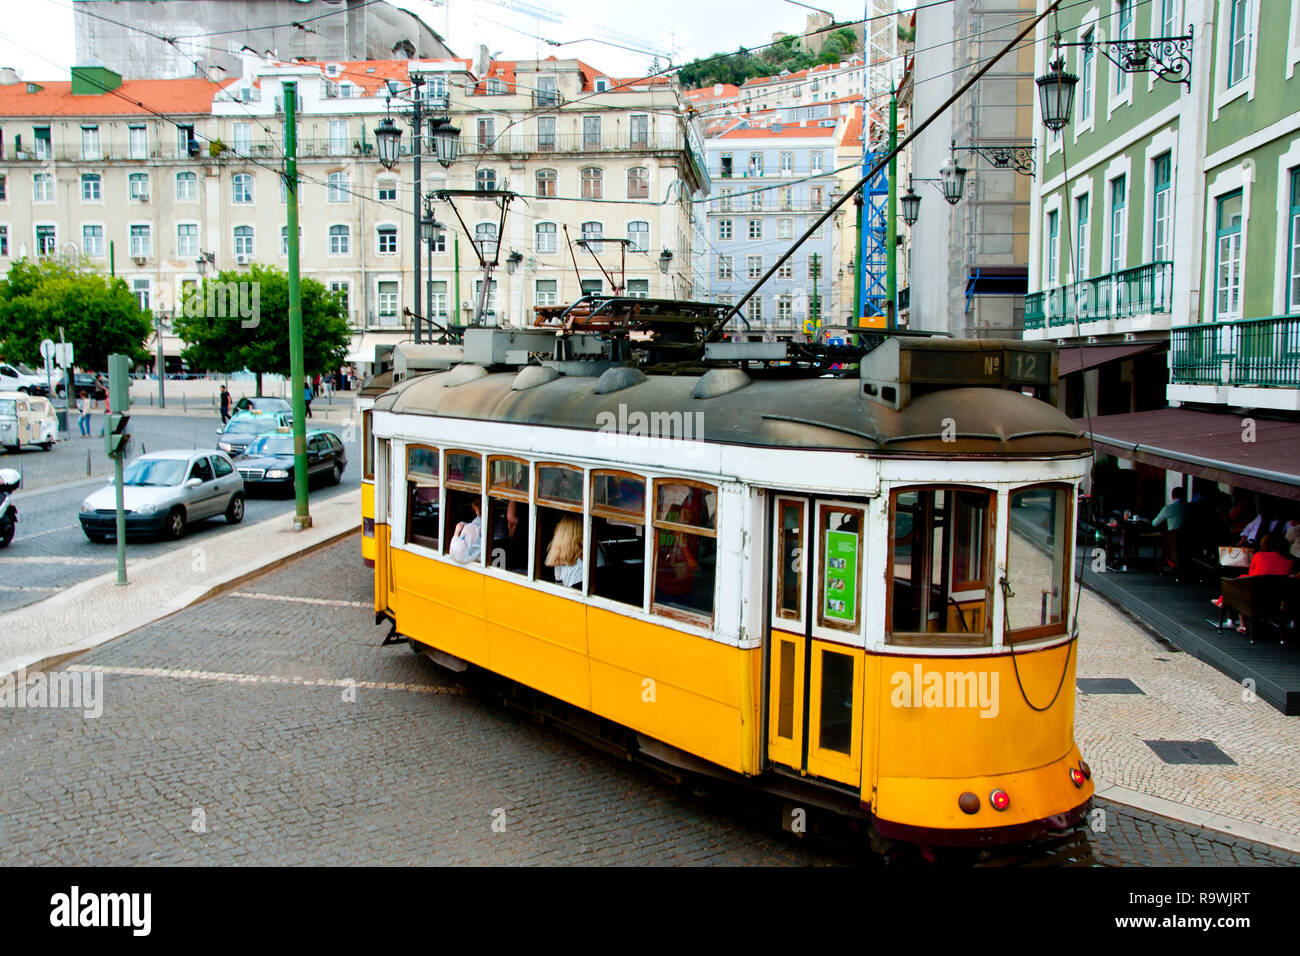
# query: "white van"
{"points": [[27, 420]]}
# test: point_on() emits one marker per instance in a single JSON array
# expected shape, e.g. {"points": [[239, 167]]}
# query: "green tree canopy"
{"points": [[786, 53], [240, 320], [98, 315]]}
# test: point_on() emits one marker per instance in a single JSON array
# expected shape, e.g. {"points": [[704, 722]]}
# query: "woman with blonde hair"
{"points": [[565, 552]]}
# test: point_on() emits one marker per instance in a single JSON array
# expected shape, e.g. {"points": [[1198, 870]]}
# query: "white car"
{"points": [[163, 492], [16, 377]]}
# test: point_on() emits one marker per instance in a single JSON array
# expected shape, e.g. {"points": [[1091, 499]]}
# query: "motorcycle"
{"points": [[9, 482]]}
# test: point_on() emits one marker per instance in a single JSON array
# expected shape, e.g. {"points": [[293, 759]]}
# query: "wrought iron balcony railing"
{"points": [[1260, 353], [1142, 290]]}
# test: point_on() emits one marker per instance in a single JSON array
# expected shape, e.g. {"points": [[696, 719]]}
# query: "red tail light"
{"points": [[1076, 776], [999, 800]]}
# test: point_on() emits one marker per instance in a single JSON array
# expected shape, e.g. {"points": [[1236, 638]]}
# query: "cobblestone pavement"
{"points": [[268, 726]]}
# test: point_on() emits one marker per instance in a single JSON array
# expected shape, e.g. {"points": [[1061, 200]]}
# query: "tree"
{"points": [[99, 315], [240, 320]]}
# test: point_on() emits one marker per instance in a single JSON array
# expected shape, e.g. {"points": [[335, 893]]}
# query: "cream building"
{"points": [[175, 178]]}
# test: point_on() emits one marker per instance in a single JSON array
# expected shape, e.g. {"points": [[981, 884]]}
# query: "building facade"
{"points": [[210, 36], [770, 184], [190, 184], [969, 260]]}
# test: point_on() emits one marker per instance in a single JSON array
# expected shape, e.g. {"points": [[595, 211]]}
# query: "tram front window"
{"points": [[618, 537], [940, 558], [1037, 544], [685, 548]]}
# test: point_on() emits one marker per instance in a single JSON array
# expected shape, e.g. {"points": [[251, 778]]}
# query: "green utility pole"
{"points": [[112, 268], [891, 233], [115, 444], [456, 304], [297, 377], [815, 306]]}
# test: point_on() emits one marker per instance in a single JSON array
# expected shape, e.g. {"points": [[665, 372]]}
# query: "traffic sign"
{"points": [[47, 349], [63, 354]]}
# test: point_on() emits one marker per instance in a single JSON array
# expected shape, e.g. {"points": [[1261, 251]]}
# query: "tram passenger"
{"points": [[510, 536], [565, 552], [467, 540]]}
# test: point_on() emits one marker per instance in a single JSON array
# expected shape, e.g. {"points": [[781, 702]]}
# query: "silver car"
{"points": [[164, 491]]}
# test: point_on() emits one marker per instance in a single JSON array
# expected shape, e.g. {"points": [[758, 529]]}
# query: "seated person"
{"points": [[467, 540], [1272, 558], [564, 553], [1173, 514]]}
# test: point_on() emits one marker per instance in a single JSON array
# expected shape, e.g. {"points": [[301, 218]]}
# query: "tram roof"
{"points": [[377, 384], [820, 413]]}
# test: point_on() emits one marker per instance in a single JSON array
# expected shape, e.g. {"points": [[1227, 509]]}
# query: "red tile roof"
{"points": [[55, 98], [788, 131]]}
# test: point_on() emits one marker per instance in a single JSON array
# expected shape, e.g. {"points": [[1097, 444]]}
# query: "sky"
{"points": [[36, 36]]}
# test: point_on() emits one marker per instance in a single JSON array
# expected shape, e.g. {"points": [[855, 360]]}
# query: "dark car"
{"points": [[234, 437], [262, 404], [92, 383], [268, 462]]}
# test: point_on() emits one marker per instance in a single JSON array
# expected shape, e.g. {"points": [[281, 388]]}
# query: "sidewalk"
{"points": [[200, 397], [1229, 759], [97, 610]]}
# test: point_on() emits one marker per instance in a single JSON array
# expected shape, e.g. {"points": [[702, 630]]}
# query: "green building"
{"points": [[1165, 237]]}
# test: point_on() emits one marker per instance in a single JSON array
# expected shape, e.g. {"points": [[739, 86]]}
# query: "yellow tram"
{"points": [[371, 389], [851, 590]]}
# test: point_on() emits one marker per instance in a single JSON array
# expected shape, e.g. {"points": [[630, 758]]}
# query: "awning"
{"points": [[1213, 445], [997, 280], [1074, 358]]}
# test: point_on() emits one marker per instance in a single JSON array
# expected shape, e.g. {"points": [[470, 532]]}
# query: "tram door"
{"points": [[815, 651]]}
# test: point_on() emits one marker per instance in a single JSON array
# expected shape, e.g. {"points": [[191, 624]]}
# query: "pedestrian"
{"points": [[225, 405], [306, 397], [83, 416]]}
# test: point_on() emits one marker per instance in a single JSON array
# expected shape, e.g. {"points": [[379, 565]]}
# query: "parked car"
{"points": [[268, 463], [164, 492], [243, 427], [261, 403], [16, 377], [27, 420], [92, 383]]}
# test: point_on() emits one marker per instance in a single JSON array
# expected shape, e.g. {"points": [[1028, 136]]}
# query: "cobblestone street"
{"points": [[268, 726]]}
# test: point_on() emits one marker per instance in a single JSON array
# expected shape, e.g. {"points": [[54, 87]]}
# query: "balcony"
{"points": [[1253, 363], [1110, 304]]}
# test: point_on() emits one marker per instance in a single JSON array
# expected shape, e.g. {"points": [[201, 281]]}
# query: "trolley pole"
{"points": [[417, 123], [891, 233], [297, 375]]}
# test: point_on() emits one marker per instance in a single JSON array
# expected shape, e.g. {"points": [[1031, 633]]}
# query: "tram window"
{"points": [[939, 565], [839, 592], [508, 514], [790, 546], [422, 495], [1037, 542], [464, 480], [367, 448], [618, 537], [685, 548], [559, 525]]}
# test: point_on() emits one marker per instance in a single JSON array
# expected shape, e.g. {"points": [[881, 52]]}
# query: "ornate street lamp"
{"points": [[952, 180], [446, 140], [1056, 95], [665, 260], [387, 136], [1017, 156], [910, 203], [513, 260]]}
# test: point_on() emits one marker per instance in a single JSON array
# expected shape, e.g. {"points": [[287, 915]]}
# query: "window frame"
{"points": [[641, 519], [538, 554], [1062, 627], [408, 538], [1293, 245], [187, 177], [1220, 234], [941, 638], [781, 620], [652, 533]]}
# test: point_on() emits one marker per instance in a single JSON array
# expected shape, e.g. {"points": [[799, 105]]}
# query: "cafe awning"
{"points": [[363, 350], [1258, 454], [1074, 358]]}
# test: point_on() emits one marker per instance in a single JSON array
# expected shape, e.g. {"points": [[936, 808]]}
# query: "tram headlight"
{"points": [[968, 802], [1076, 776], [999, 800]]}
